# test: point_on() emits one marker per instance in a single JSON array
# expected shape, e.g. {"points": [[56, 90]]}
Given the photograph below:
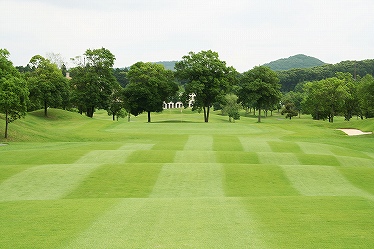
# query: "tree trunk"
{"points": [[114, 117], [206, 114], [149, 117], [259, 115], [128, 117], [332, 114], [90, 111], [45, 108], [6, 124]]}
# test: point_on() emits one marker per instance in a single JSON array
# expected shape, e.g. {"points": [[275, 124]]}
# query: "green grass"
{"points": [[68, 181], [118, 181]]}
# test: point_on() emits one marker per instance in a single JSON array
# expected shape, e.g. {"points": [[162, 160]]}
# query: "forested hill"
{"points": [[290, 78], [167, 64], [296, 61]]}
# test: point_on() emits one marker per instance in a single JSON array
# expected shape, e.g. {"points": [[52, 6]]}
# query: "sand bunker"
{"points": [[354, 132]]}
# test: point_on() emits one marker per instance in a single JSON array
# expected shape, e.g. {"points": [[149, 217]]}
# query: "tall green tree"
{"points": [[48, 87], [260, 86], [366, 95], [13, 91], [121, 75], [93, 80], [292, 101], [314, 102], [207, 76], [231, 107], [325, 98], [149, 86], [116, 107], [351, 104]]}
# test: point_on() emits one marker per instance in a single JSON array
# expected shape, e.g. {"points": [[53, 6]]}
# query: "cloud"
{"points": [[245, 33]]}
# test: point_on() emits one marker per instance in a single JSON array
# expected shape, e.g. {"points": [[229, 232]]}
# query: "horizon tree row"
{"points": [[327, 98], [94, 84]]}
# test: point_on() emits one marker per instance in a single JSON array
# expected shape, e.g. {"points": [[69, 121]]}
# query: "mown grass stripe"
{"points": [[133, 146], [104, 157], [195, 157], [274, 158], [252, 144], [189, 180], [199, 142], [322, 181], [46, 182], [173, 223], [355, 162], [54, 181], [315, 148]]}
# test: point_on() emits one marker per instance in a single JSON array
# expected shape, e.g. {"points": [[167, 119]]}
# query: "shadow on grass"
{"points": [[176, 122]]}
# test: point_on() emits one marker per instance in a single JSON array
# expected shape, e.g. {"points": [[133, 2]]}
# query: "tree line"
{"points": [[339, 95], [290, 78], [95, 84]]}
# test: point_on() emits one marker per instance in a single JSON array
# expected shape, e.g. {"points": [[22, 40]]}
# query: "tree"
{"points": [[121, 75], [93, 81], [260, 87], [325, 98], [314, 101], [207, 77], [149, 86], [366, 96], [289, 110], [295, 99], [231, 107], [117, 103], [13, 91], [351, 104], [48, 87]]}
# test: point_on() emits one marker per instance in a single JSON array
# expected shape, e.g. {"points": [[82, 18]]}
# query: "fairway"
{"points": [[68, 181]]}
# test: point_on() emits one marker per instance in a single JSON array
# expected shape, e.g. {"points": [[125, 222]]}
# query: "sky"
{"points": [[245, 33]]}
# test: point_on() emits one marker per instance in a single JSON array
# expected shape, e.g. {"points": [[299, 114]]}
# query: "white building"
{"points": [[172, 105]]}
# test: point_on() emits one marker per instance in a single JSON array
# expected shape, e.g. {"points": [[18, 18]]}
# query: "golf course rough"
{"points": [[188, 185]]}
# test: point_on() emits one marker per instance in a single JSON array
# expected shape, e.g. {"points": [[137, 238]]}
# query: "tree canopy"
{"points": [[149, 86], [48, 87], [93, 80], [259, 87], [290, 78], [13, 91], [207, 77]]}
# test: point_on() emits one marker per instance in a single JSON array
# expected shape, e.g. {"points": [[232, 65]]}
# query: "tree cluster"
{"points": [[290, 78], [94, 84], [339, 95], [144, 87]]}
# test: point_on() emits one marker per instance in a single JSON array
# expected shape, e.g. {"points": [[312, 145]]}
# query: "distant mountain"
{"points": [[167, 64], [296, 61]]}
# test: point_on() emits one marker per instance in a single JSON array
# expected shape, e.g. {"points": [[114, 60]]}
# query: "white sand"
{"points": [[354, 132]]}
